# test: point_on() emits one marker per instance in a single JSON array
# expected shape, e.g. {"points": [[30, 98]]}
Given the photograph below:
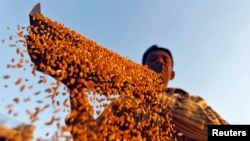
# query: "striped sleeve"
{"points": [[191, 115]]}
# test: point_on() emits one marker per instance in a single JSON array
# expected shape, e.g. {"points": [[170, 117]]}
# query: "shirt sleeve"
{"points": [[191, 115]]}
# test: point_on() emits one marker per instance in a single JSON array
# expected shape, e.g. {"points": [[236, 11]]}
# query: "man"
{"points": [[191, 114]]}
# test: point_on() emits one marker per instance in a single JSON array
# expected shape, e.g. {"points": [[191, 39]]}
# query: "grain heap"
{"points": [[140, 113]]}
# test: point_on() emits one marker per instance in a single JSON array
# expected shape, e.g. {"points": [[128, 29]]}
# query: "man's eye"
{"points": [[152, 59], [165, 59]]}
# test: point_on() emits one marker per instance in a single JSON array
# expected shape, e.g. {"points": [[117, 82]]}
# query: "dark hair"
{"points": [[154, 48]]}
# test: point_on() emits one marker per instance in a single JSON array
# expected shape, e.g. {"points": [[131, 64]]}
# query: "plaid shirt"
{"points": [[191, 115]]}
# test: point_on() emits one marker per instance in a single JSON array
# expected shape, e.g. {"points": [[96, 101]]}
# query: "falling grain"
{"points": [[9, 106], [85, 67], [65, 103], [16, 100], [11, 37], [18, 81], [6, 76], [100, 71], [26, 99], [17, 51], [22, 88], [51, 121], [37, 93], [10, 111], [39, 101], [30, 87]]}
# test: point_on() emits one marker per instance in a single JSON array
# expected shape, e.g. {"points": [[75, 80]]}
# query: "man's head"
{"points": [[161, 61]]}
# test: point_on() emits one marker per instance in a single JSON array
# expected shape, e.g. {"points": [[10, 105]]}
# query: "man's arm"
{"points": [[191, 115]]}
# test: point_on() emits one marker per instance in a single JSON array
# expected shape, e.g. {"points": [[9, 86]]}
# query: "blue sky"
{"points": [[209, 41]]}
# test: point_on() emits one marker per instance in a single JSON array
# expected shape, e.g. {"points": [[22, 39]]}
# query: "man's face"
{"points": [[161, 62]]}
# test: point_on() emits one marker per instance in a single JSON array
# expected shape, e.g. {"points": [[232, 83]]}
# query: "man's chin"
{"points": [[157, 68]]}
